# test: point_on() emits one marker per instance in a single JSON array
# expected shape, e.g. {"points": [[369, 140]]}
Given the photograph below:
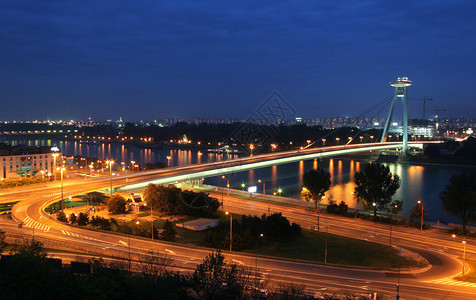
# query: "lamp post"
{"points": [[227, 184], [464, 253], [398, 279], [325, 253], [34, 227], [280, 190], [264, 189], [152, 220], [251, 149], [256, 261], [243, 186], [110, 162], [231, 229], [421, 223], [62, 169], [391, 221], [55, 155]]}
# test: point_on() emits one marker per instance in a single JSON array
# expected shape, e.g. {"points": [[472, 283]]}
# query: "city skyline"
{"points": [[146, 61]]}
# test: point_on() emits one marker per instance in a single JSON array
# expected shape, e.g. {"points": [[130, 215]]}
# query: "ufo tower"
{"points": [[400, 86]]}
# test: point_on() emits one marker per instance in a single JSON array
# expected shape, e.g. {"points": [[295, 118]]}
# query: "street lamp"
{"points": [[110, 162], [243, 186], [325, 253], [256, 262], [421, 224], [337, 140], [227, 184], [464, 253], [62, 169], [280, 190], [152, 220], [55, 155], [264, 189], [231, 229], [251, 149]]}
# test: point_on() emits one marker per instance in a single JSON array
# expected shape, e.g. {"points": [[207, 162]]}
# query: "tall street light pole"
{"points": [[152, 220], [325, 253], [227, 184], [256, 262], [264, 189], [55, 155], [62, 193], [464, 252], [231, 230], [110, 162], [421, 223]]}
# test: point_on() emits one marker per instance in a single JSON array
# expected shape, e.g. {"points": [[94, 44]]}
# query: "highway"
{"points": [[432, 283]]}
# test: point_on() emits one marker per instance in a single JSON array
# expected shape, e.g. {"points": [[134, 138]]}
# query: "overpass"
{"points": [[200, 171]]}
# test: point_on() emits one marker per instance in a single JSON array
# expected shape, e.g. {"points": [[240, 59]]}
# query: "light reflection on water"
{"points": [[125, 152], [417, 182]]}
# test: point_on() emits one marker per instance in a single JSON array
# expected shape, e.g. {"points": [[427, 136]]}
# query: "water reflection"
{"points": [[125, 152], [417, 182]]}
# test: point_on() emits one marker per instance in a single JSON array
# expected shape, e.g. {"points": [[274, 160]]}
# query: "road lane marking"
{"points": [[450, 281], [169, 251], [123, 243], [238, 261], [78, 235], [30, 223]]}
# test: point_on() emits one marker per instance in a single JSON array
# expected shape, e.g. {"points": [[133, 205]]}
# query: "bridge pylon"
{"points": [[400, 85]]}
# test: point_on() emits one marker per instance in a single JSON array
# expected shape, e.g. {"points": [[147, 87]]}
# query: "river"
{"points": [[423, 183]]}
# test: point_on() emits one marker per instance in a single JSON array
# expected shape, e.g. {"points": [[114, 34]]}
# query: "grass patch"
{"points": [[311, 246], [340, 250], [471, 275]]}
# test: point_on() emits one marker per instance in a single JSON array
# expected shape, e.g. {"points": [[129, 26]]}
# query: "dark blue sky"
{"points": [[144, 60]]}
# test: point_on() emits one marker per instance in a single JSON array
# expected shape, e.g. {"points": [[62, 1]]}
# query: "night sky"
{"points": [[145, 60]]}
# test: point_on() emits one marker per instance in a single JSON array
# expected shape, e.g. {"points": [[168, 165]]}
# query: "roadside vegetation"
{"points": [[11, 183], [148, 276]]}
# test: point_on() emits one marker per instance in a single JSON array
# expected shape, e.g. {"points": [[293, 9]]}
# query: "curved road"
{"points": [[434, 283]]}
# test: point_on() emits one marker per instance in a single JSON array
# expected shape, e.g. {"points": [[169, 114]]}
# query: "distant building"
{"points": [[423, 127], [26, 161], [416, 127]]}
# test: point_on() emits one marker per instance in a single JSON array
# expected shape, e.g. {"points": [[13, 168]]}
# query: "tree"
{"points": [[215, 279], [83, 219], [61, 216], [72, 218], [117, 205], [375, 186], [315, 184], [168, 234], [96, 198], [459, 198], [2, 240]]}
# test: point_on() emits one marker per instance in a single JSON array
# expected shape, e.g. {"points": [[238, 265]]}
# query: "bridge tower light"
{"points": [[400, 92]]}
